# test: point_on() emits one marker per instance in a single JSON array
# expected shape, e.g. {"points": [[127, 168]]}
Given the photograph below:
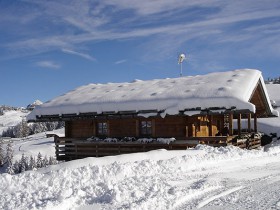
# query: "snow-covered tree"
{"points": [[23, 164], [16, 167], [2, 153], [39, 161], [32, 163], [10, 132], [9, 154], [10, 170], [45, 162], [52, 161], [22, 129]]}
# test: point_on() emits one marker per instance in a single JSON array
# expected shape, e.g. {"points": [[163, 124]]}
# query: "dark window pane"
{"points": [[146, 127], [102, 128]]}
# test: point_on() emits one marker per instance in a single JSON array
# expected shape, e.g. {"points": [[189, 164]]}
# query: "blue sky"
{"points": [[50, 47]]}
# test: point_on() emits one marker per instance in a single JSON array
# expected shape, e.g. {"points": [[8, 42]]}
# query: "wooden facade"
{"points": [[156, 127]]}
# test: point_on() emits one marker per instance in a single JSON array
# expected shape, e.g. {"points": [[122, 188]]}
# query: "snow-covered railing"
{"points": [[74, 148]]}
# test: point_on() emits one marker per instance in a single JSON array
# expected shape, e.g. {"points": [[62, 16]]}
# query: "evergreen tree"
{"points": [[16, 167], [2, 155], [39, 161], [9, 154], [45, 162], [22, 129], [52, 161], [23, 164], [32, 163], [10, 170]]}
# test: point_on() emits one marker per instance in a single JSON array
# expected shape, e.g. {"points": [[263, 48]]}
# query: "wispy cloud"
{"points": [[48, 64], [120, 61], [166, 25], [83, 55]]}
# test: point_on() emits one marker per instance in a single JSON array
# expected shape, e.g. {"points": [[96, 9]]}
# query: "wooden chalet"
{"points": [[217, 109]]}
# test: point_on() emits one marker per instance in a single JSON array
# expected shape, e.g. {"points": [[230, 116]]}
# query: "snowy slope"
{"points": [[273, 92], [11, 118], [32, 145], [201, 178]]}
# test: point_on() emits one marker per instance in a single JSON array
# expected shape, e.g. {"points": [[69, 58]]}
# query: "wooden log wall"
{"points": [[170, 126]]}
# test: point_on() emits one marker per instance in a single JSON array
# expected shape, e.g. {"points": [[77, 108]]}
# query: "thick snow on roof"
{"points": [[219, 89]]}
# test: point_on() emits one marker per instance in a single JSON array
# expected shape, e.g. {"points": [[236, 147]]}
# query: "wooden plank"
{"points": [[255, 123], [249, 122], [230, 124], [239, 124]]}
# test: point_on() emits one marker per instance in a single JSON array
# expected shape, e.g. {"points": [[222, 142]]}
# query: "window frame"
{"points": [[146, 128], [102, 128]]}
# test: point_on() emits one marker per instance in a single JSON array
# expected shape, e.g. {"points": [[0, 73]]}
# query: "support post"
{"points": [[210, 125], [153, 128], [249, 122], [137, 127], [239, 123], [255, 123], [230, 124]]}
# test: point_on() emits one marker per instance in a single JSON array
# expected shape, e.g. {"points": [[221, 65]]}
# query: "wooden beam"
{"points": [[255, 123], [249, 122], [239, 124], [210, 125], [153, 128], [137, 127], [230, 124]]}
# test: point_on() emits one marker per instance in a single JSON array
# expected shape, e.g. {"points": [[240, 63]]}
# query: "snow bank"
{"points": [[219, 89], [154, 180]]}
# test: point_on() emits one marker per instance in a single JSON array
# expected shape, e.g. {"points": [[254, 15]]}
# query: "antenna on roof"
{"points": [[181, 58]]}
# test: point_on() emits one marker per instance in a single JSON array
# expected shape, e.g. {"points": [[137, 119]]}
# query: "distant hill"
{"points": [[275, 80], [11, 116]]}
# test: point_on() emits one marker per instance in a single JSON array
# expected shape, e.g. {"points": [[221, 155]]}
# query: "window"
{"points": [[146, 128], [102, 128]]}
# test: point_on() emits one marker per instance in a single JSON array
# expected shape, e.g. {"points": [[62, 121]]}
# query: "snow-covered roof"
{"points": [[220, 89]]}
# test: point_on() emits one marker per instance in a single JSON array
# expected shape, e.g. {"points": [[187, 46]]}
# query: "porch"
{"points": [[76, 148]]}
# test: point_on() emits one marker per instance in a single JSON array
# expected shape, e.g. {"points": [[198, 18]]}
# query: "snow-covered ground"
{"points": [[32, 145], [200, 178]]}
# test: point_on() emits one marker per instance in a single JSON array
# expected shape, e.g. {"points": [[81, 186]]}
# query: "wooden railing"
{"points": [[70, 148]]}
